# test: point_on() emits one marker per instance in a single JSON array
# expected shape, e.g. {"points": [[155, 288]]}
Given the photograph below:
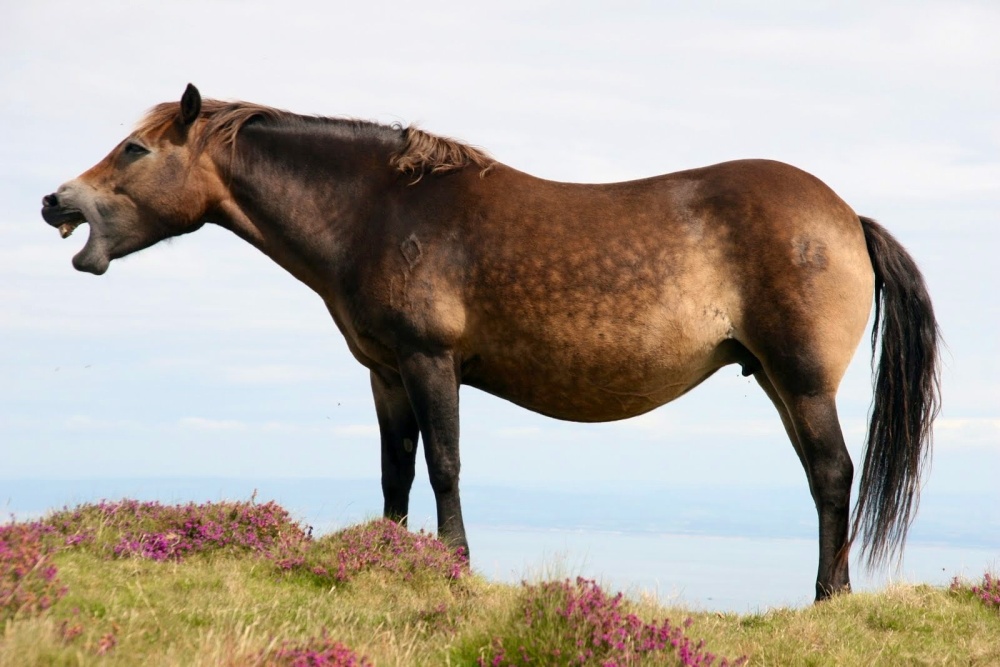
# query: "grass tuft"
{"points": [[172, 532], [315, 652], [577, 623], [380, 545], [28, 581], [987, 592]]}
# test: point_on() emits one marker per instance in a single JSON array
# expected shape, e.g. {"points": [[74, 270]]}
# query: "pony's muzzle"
{"points": [[66, 218]]}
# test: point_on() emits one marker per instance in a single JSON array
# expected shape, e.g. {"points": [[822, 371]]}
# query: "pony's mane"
{"points": [[424, 152], [419, 153]]}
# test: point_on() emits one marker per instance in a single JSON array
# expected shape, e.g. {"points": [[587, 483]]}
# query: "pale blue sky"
{"points": [[200, 357]]}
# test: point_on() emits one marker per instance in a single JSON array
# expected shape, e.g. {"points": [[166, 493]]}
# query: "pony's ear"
{"points": [[190, 105]]}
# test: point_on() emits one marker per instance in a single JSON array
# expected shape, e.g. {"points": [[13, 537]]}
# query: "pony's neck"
{"points": [[299, 194]]}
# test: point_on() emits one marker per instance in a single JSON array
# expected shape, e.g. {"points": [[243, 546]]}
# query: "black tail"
{"points": [[906, 401]]}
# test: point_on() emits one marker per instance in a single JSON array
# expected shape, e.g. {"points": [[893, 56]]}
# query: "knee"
{"points": [[398, 467], [444, 479], [396, 484], [833, 478]]}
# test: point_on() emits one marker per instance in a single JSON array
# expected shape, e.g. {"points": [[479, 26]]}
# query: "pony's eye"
{"points": [[134, 149]]}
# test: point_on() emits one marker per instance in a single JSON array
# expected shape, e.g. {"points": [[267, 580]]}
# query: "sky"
{"points": [[200, 357]]}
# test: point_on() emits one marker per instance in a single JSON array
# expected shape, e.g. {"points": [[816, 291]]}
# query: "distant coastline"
{"points": [[645, 508]]}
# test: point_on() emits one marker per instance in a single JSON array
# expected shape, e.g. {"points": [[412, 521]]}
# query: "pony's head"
{"points": [[157, 183]]}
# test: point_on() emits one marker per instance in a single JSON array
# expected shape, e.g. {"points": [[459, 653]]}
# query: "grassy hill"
{"points": [[130, 583]]}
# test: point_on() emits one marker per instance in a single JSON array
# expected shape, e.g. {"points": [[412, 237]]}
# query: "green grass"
{"points": [[232, 607]]}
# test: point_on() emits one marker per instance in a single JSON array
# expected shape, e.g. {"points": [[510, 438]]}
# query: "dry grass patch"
{"points": [[376, 594], [904, 624]]}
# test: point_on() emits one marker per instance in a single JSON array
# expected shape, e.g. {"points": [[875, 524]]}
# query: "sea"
{"points": [[727, 550]]}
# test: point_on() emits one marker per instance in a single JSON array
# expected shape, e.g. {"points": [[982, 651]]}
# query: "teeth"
{"points": [[67, 228]]}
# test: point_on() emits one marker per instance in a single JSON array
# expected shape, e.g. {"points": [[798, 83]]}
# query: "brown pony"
{"points": [[589, 303]]}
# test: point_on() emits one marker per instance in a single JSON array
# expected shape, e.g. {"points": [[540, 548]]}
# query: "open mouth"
{"points": [[93, 258], [66, 221], [65, 218]]}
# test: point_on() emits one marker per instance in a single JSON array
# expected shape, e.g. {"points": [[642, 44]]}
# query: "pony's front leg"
{"points": [[399, 432], [431, 383]]}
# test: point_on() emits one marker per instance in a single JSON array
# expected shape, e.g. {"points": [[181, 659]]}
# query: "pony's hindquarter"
{"points": [[906, 400], [807, 286]]}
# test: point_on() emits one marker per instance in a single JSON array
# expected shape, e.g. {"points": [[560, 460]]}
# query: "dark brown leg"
{"points": [[431, 383], [830, 472], [814, 430], [399, 433], [786, 421]]}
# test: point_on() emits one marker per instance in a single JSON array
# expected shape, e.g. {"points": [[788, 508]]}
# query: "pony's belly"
{"points": [[617, 388], [629, 360]]}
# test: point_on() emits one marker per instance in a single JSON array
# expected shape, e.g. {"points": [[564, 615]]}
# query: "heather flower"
{"points": [[322, 652], [28, 581], [988, 591], [439, 619], [380, 545], [577, 623], [70, 631], [130, 528], [106, 644]]}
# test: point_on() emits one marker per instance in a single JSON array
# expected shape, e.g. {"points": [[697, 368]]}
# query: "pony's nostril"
{"points": [[50, 200]]}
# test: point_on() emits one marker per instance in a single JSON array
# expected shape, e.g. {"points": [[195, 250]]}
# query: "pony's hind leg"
{"points": [[765, 383], [399, 432], [814, 430]]}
